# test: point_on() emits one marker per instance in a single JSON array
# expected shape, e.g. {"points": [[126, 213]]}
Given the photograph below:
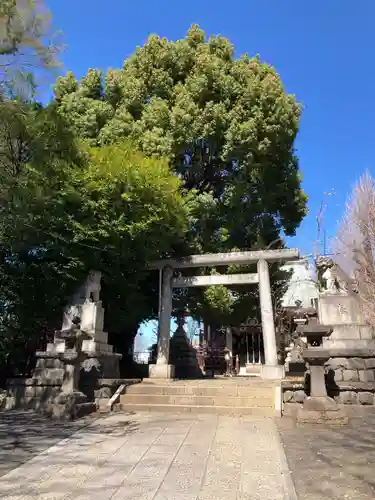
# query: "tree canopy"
{"points": [[227, 125]]}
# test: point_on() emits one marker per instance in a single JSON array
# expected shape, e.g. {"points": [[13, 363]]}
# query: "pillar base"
{"points": [[272, 372], [161, 371]]}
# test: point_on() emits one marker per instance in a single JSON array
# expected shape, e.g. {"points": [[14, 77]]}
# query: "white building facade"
{"points": [[302, 286]]}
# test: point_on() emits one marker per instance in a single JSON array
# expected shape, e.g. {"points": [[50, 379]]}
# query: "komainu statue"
{"points": [[89, 291], [331, 278]]}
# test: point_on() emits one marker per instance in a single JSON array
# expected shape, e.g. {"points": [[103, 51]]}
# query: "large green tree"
{"points": [[226, 123], [66, 208]]}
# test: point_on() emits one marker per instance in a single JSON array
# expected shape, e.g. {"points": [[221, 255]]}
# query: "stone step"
{"points": [[216, 410], [255, 392], [193, 400]]}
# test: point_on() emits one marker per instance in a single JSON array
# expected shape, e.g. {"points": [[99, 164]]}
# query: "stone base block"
{"points": [[69, 406], [321, 410], [161, 371], [98, 335], [270, 372], [94, 347]]}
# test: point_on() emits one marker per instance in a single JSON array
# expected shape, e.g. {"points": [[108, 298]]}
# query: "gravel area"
{"points": [[332, 462]]}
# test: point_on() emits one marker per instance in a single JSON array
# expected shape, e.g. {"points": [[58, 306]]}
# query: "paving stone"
{"points": [[155, 457]]}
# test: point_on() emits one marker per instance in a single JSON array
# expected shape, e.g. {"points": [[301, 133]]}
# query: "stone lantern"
{"points": [[318, 407]]}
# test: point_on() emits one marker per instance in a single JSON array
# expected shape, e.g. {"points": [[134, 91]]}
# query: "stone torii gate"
{"points": [[271, 369]]}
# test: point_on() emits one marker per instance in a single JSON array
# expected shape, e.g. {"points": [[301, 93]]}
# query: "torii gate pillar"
{"points": [[162, 368], [271, 369]]}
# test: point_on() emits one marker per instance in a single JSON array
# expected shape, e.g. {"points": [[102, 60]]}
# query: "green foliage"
{"points": [[227, 124], [67, 208]]}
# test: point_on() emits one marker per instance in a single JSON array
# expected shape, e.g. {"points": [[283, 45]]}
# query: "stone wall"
{"points": [[31, 394], [353, 369], [347, 393], [39, 394], [350, 379]]}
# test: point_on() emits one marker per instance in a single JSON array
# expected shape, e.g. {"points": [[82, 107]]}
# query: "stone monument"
{"points": [[340, 307], [101, 361], [182, 355], [58, 370]]}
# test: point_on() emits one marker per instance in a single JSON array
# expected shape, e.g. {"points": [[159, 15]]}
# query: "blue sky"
{"points": [[323, 50]]}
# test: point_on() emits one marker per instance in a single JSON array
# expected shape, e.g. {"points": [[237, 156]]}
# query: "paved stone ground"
{"points": [[25, 434], [332, 463], [155, 456]]}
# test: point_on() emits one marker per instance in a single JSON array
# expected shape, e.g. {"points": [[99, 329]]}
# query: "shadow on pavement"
{"points": [[25, 434]]}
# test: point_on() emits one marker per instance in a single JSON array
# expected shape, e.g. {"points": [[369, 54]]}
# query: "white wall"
{"points": [[302, 285]]}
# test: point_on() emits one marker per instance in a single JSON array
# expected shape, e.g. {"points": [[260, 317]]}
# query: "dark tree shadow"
{"points": [[25, 434]]}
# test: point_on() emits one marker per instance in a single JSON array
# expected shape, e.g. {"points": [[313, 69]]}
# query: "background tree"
{"points": [[226, 124], [26, 47], [27, 43], [355, 240]]}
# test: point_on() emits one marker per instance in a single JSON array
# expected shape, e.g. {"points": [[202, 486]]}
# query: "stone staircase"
{"points": [[224, 396]]}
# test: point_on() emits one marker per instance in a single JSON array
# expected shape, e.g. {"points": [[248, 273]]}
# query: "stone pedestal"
{"points": [[339, 309], [351, 347], [161, 371], [343, 312], [62, 379], [101, 361], [272, 372]]}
